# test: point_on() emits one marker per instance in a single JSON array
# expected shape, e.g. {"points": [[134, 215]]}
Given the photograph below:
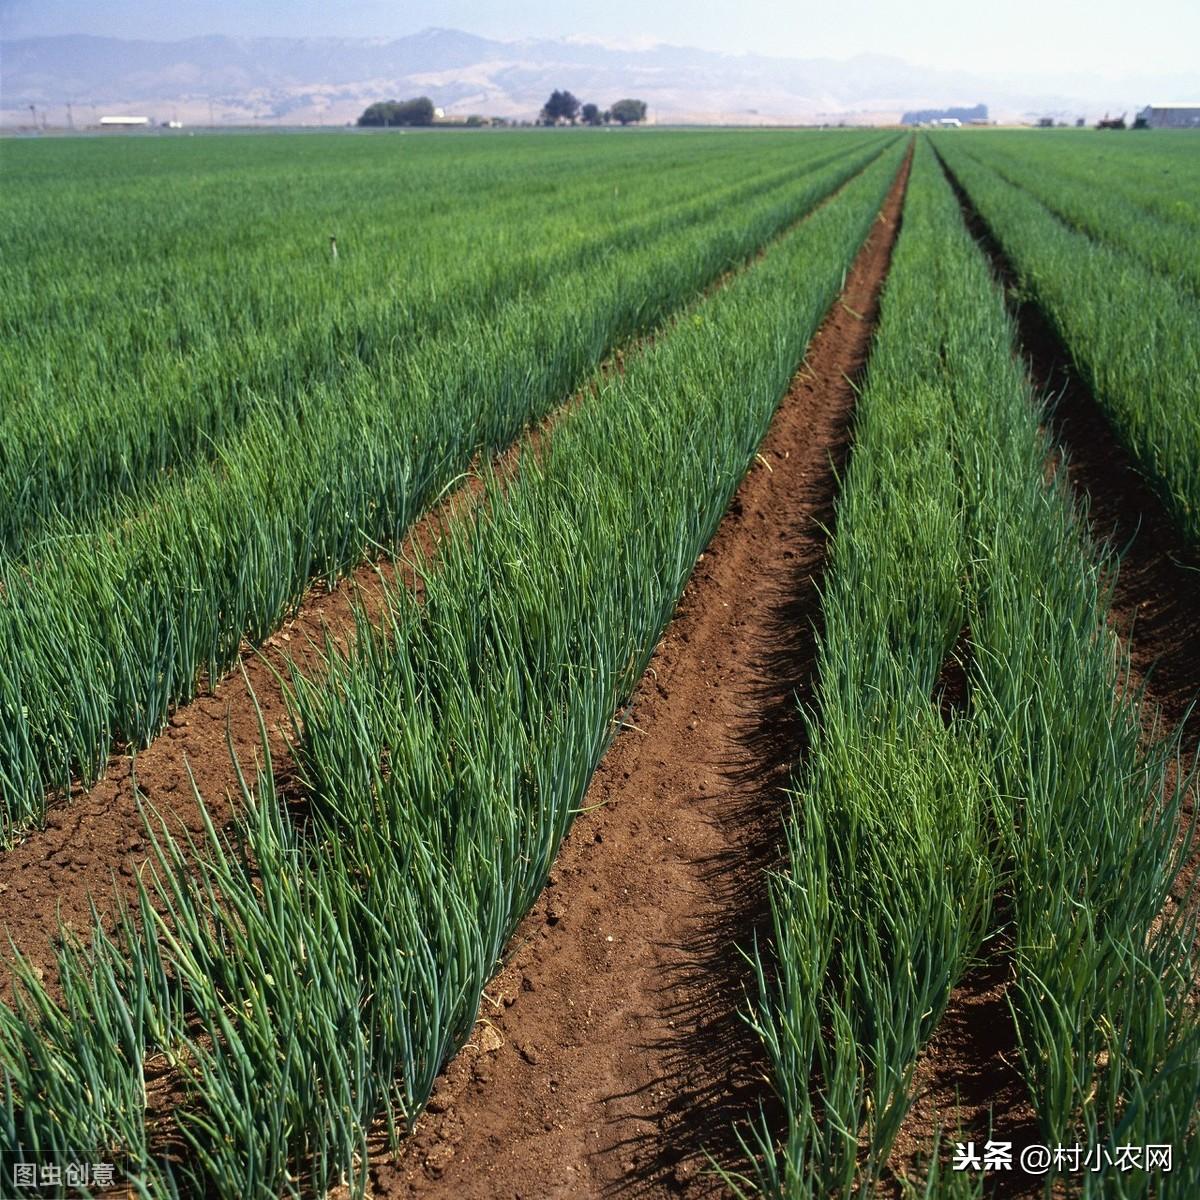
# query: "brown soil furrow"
{"points": [[609, 1053], [970, 1073], [97, 840]]}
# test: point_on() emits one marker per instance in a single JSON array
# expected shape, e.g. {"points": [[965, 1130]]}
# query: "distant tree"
{"points": [[399, 112], [377, 113], [561, 106], [415, 112], [606, 116], [629, 112], [590, 114]]}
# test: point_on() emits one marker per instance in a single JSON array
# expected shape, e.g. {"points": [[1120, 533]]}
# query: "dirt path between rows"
{"points": [[609, 1051], [970, 1071], [94, 845]]}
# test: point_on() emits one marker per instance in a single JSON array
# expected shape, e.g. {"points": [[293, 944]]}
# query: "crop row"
{"points": [[107, 626], [1098, 201], [1021, 823], [1133, 334], [127, 362], [1156, 173], [301, 980]]}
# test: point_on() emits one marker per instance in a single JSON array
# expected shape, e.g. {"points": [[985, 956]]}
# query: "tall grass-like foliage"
{"points": [[1132, 332], [154, 298], [304, 979], [1139, 197], [907, 821]]}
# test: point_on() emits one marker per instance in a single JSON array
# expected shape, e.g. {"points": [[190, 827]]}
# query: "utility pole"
{"points": [[33, 115], [70, 117]]}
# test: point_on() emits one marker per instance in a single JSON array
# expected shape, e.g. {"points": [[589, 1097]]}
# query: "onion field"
{"points": [[519, 382]]}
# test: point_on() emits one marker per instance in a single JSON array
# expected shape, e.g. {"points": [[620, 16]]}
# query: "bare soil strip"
{"points": [[970, 1071], [609, 1052], [96, 842]]}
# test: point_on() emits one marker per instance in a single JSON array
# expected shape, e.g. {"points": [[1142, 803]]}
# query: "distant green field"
{"points": [[155, 292]]}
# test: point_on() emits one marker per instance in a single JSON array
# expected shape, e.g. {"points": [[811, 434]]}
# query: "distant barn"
{"points": [[1171, 116]]}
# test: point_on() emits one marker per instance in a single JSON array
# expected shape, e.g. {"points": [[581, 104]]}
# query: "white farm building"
{"points": [[124, 122], [1171, 116]]}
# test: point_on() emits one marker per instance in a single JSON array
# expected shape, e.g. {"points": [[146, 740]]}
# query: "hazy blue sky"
{"points": [[1110, 37]]}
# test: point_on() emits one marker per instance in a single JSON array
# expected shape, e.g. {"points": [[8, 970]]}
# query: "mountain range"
{"points": [[297, 81]]}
